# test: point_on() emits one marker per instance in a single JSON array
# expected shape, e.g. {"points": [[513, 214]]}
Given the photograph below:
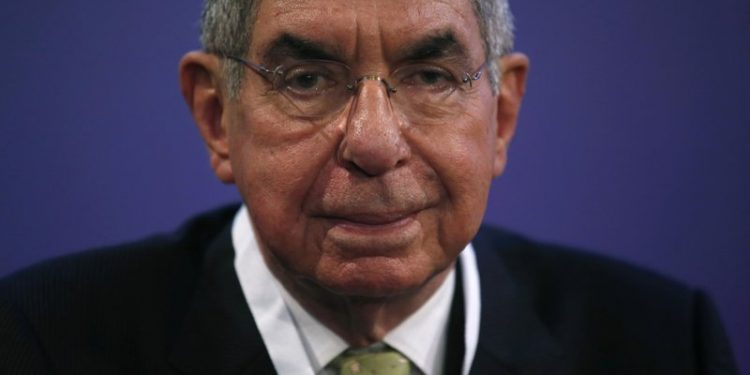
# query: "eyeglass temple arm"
{"points": [[471, 77], [256, 67]]}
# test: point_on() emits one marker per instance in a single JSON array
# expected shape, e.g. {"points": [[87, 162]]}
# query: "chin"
{"points": [[375, 278]]}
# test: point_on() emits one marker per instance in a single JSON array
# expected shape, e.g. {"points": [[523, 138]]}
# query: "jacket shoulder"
{"points": [[602, 310], [126, 265], [550, 266], [131, 296]]}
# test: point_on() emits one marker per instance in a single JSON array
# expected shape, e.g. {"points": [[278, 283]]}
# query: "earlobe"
{"points": [[514, 68], [202, 89]]}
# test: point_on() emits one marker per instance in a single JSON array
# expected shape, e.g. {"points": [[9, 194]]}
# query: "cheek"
{"points": [[461, 153], [275, 166], [462, 157]]}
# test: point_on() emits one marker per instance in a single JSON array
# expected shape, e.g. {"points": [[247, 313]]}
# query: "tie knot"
{"points": [[368, 362]]}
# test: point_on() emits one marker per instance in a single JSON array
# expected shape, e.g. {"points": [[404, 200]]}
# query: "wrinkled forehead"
{"points": [[363, 30]]}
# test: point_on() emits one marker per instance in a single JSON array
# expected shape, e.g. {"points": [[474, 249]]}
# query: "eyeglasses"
{"points": [[320, 88]]}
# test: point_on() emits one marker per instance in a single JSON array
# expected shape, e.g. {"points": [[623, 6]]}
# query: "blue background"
{"points": [[634, 139]]}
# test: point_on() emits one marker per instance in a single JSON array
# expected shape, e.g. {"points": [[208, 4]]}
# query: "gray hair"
{"points": [[227, 26]]}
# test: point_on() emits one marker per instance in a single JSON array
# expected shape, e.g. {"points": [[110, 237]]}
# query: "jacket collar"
{"points": [[218, 334], [512, 339]]}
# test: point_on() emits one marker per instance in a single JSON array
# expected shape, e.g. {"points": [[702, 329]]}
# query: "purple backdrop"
{"points": [[634, 139]]}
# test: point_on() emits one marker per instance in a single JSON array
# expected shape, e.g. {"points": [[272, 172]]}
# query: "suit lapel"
{"points": [[512, 338], [218, 334], [456, 342]]}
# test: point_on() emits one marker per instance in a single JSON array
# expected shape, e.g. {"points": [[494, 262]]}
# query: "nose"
{"points": [[373, 141]]}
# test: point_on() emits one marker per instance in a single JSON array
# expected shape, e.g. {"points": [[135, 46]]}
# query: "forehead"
{"points": [[363, 29]]}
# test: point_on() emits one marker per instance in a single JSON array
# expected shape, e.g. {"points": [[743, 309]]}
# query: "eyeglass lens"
{"points": [[320, 88]]}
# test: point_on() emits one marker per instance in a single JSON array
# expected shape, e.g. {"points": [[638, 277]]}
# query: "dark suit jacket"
{"points": [[173, 305]]}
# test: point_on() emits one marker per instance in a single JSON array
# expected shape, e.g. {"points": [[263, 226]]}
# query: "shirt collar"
{"points": [[417, 336]]}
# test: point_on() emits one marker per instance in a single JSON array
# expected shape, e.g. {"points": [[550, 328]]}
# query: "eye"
{"points": [[426, 77], [309, 79], [431, 77]]}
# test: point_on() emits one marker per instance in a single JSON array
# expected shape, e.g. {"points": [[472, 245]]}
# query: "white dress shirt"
{"points": [[299, 344]]}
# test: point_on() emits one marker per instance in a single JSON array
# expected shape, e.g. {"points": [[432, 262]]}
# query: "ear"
{"points": [[203, 90], [514, 68]]}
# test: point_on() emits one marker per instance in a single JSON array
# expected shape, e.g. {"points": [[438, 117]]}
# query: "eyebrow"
{"points": [[440, 44], [288, 45]]}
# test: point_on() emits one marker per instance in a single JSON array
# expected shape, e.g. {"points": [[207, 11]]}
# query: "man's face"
{"points": [[368, 202]]}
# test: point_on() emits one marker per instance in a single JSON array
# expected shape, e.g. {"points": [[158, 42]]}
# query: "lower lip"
{"points": [[379, 227], [374, 239]]}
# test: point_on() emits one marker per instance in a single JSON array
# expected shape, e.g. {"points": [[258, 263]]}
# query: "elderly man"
{"points": [[363, 137]]}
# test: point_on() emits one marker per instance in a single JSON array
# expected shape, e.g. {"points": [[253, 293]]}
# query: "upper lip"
{"points": [[370, 218]]}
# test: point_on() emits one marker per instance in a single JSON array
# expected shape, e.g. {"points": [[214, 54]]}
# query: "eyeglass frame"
{"points": [[268, 74], [265, 72]]}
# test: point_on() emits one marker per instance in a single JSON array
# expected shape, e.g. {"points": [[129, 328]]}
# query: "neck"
{"points": [[360, 321]]}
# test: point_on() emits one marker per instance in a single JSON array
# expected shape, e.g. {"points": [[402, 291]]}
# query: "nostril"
{"points": [[372, 158]]}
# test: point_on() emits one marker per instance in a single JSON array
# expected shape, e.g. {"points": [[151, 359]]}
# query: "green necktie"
{"points": [[387, 362]]}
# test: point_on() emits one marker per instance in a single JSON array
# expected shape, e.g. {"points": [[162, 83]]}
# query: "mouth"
{"points": [[373, 234], [371, 220]]}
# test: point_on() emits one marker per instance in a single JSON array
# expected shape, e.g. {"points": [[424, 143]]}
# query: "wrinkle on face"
{"points": [[300, 186]]}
